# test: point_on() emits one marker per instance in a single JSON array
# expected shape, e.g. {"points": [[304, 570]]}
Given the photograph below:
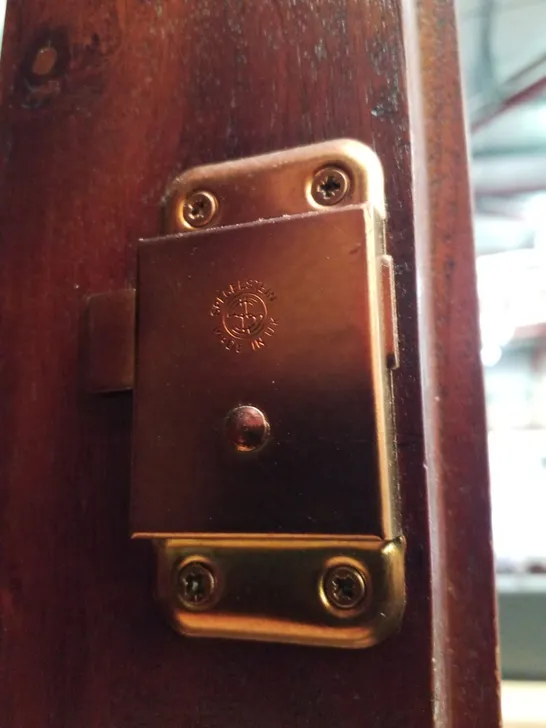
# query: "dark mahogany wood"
{"points": [[141, 90], [466, 674]]}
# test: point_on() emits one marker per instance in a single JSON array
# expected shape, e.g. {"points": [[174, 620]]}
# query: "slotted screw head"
{"points": [[199, 208], [196, 585], [344, 586], [330, 185]]}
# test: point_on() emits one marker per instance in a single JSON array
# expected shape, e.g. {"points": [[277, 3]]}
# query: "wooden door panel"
{"points": [[143, 90]]}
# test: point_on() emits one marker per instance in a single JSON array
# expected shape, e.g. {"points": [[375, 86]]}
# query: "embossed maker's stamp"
{"points": [[245, 320]]}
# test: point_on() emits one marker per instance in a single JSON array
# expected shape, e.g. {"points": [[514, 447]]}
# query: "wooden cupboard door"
{"points": [[102, 105]]}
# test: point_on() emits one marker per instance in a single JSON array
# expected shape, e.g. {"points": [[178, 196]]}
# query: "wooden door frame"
{"points": [[464, 605]]}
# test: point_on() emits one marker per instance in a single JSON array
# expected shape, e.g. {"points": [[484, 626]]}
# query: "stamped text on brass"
{"points": [[244, 316]]}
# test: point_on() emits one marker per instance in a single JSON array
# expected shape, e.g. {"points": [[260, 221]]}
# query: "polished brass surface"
{"points": [[330, 185], [272, 588], [197, 209], [390, 319], [320, 376], [110, 346], [247, 428], [284, 304]]}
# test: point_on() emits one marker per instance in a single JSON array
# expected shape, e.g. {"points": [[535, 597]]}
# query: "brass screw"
{"points": [[199, 208], [344, 586], [330, 185], [196, 585]]}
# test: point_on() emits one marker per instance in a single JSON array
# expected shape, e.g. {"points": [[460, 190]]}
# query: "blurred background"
{"points": [[503, 55]]}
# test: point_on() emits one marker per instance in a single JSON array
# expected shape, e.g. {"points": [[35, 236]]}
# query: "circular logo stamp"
{"points": [[245, 320]]}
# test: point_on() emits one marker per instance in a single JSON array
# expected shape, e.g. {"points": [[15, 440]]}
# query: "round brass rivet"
{"points": [[247, 428], [330, 185]]}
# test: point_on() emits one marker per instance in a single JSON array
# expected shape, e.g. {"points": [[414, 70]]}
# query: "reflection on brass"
{"points": [[272, 588], [321, 379], [247, 428], [110, 354], [390, 317], [329, 186], [280, 312]]}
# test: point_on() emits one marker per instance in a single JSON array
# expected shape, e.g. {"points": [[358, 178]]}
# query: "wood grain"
{"points": [[466, 671], [143, 89]]}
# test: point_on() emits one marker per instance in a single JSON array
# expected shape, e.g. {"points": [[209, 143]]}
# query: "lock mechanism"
{"points": [[264, 465]]}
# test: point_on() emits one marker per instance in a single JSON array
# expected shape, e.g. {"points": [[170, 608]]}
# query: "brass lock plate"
{"points": [[264, 457]]}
